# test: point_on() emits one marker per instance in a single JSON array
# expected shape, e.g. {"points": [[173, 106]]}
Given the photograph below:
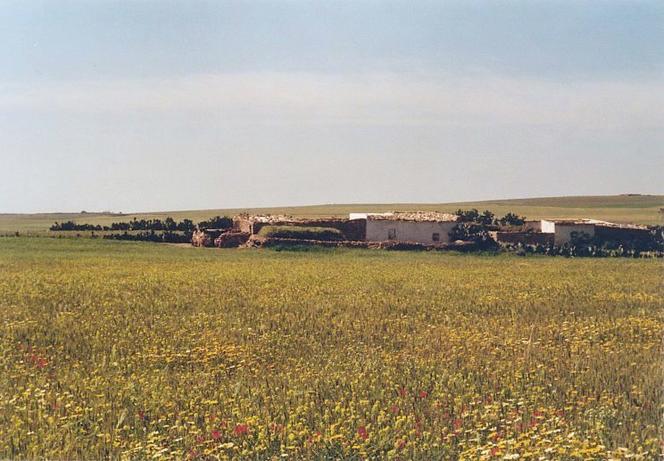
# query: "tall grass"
{"points": [[135, 351]]}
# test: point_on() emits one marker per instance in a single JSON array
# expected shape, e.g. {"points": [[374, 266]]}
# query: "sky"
{"points": [[137, 105]]}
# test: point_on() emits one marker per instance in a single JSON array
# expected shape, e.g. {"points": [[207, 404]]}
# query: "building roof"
{"points": [[596, 222], [415, 216], [280, 218], [576, 222]]}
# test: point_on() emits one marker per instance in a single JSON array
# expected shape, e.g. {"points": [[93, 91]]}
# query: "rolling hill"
{"points": [[632, 208]]}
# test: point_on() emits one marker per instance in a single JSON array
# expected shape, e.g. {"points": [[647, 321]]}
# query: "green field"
{"points": [[639, 209], [144, 351]]}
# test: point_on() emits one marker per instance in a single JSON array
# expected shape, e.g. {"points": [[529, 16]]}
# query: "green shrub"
{"points": [[302, 233]]}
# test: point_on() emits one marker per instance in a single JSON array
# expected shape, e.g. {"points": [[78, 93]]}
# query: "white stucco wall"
{"points": [[563, 232], [548, 227], [409, 231]]}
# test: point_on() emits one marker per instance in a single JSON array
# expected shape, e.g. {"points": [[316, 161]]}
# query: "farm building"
{"points": [[252, 224], [566, 230], [428, 228]]}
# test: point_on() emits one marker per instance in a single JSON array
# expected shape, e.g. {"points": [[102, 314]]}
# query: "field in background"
{"points": [[640, 209], [126, 350]]}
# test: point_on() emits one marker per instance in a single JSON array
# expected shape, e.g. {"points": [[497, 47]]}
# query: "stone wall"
{"points": [[525, 238], [622, 234]]}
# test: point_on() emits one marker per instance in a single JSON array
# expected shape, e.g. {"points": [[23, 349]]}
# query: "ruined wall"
{"points": [[352, 229], [242, 223], [232, 239]]}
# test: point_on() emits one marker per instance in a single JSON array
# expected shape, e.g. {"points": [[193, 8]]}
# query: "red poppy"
{"points": [[362, 432], [216, 435], [424, 394], [394, 409], [274, 427], [241, 429], [494, 451], [457, 423]]}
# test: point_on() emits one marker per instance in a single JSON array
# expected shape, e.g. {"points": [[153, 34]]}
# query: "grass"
{"points": [[639, 209], [130, 350]]}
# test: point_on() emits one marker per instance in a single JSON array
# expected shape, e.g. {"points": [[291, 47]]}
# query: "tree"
{"points": [[186, 225], [468, 215], [486, 218], [170, 224], [512, 219]]}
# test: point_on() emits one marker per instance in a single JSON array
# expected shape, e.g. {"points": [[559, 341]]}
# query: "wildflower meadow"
{"points": [[116, 350]]}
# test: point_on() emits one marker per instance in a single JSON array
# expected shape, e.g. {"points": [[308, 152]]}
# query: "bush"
{"points": [[218, 222], [152, 236], [301, 233], [476, 233], [512, 219], [471, 215]]}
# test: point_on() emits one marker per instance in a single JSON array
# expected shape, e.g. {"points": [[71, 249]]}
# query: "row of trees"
{"points": [[168, 224], [152, 236], [487, 218]]}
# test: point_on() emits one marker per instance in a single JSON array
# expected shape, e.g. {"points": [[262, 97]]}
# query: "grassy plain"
{"points": [[137, 351], [639, 209]]}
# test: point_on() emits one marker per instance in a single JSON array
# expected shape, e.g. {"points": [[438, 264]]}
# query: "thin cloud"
{"points": [[384, 98]]}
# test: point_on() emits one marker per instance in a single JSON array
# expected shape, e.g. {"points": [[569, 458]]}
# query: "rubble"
{"points": [[416, 216]]}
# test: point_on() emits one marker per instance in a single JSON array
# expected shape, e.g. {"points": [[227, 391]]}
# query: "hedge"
{"points": [[301, 232]]}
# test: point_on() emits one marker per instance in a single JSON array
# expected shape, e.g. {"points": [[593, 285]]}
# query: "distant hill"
{"points": [[628, 208]]}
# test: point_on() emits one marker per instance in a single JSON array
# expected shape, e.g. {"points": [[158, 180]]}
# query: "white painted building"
{"points": [[429, 228], [564, 230]]}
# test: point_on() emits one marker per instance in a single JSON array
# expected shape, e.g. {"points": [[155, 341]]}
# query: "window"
{"points": [[435, 237], [391, 234]]}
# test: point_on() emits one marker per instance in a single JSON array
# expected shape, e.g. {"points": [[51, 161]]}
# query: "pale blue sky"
{"points": [[160, 105]]}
